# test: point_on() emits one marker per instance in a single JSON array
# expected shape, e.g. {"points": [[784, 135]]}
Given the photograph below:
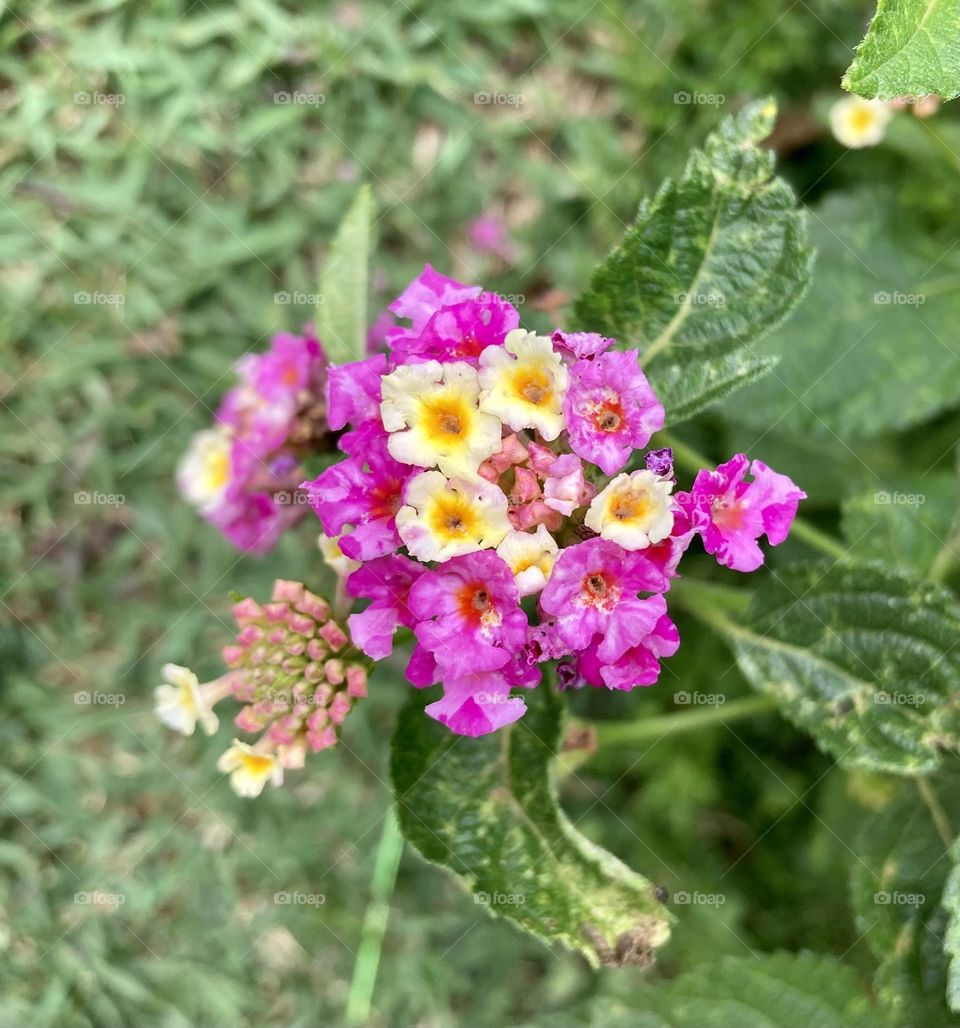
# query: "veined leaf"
{"points": [[863, 657], [486, 809], [344, 284], [872, 348], [912, 48], [951, 940], [779, 990], [896, 886], [713, 261]]}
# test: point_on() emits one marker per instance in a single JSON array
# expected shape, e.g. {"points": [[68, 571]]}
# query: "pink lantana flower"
{"points": [[385, 581], [610, 409], [461, 331], [477, 704], [425, 295], [470, 614], [353, 391], [365, 493], [640, 665], [582, 345], [730, 514], [593, 590], [565, 489]]}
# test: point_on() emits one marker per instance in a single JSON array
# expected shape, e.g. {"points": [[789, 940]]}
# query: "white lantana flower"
{"points": [[203, 474], [634, 510], [530, 556], [524, 382], [857, 123], [249, 770], [180, 702]]}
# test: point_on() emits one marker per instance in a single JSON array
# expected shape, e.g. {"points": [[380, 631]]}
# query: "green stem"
{"points": [[946, 560], [619, 733], [932, 801], [375, 922], [802, 529]]}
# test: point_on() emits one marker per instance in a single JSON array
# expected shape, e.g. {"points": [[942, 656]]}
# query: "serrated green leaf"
{"points": [[905, 523], [486, 809], [344, 284], [861, 656], [872, 348], [896, 884], [951, 939], [779, 990], [912, 48], [714, 261]]}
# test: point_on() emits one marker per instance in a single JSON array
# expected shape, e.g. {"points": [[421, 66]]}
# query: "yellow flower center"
{"points": [[446, 417], [453, 519], [533, 386], [217, 469], [256, 763], [631, 506], [862, 119]]}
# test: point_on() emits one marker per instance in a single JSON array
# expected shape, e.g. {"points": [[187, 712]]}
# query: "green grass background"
{"points": [[181, 185]]}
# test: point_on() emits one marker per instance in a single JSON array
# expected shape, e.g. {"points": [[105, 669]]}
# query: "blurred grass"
{"points": [[147, 164]]}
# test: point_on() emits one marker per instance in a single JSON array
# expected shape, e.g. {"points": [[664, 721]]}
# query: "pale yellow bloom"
{"points": [[530, 556], [523, 383], [857, 123], [334, 557], [180, 702], [634, 510], [446, 518], [204, 471], [431, 413], [249, 770]]}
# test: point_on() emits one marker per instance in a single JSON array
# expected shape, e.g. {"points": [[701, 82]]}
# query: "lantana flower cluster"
{"points": [[242, 473], [293, 671], [499, 503]]}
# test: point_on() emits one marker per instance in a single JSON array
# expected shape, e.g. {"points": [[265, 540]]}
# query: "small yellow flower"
{"points": [[431, 411], [204, 471], [530, 556], [249, 770], [180, 702], [857, 123], [523, 383], [444, 518], [634, 510], [334, 557]]}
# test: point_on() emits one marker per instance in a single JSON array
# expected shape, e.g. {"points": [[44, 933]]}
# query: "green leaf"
{"points": [[486, 809], [905, 524], [896, 885], [344, 282], [872, 348], [951, 941], [780, 990], [714, 261], [912, 48], [863, 657]]}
